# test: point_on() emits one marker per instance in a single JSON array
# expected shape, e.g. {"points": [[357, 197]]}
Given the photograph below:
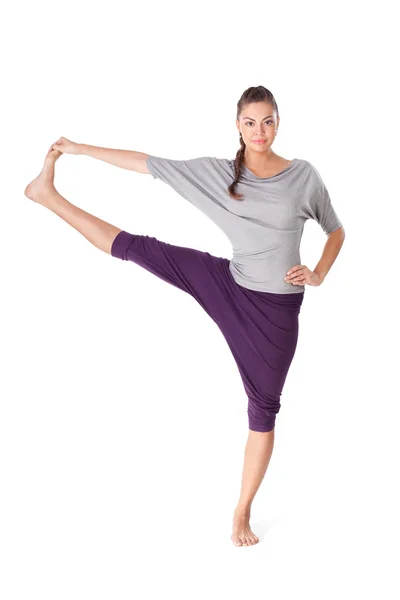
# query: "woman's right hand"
{"points": [[66, 146]]}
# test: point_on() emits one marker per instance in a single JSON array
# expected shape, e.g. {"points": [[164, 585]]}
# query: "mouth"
{"points": [[258, 141]]}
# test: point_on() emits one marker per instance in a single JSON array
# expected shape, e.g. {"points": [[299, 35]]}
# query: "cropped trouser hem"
{"points": [[261, 328]]}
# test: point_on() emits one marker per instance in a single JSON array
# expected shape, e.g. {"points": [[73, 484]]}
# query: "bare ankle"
{"points": [[243, 508]]}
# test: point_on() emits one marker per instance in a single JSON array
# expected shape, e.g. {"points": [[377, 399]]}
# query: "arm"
{"points": [[125, 159], [316, 204], [330, 252]]}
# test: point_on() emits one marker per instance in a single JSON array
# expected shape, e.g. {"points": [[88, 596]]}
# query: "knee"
{"points": [[121, 243]]}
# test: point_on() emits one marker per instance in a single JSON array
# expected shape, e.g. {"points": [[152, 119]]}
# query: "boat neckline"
{"points": [[256, 177]]}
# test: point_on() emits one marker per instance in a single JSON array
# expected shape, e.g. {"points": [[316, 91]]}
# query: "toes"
{"points": [[53, 151], [53, 155], [247, 539], [251, 538]]}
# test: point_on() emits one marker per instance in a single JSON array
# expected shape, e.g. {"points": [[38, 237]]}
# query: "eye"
{"points": [[250, 122]]}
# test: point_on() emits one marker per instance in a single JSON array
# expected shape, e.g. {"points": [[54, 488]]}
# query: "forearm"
{"points": [[331, 250], [125, 159]]}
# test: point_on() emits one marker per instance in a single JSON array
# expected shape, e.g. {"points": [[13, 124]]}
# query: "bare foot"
{"points": [[40, 187], [242, 535]]}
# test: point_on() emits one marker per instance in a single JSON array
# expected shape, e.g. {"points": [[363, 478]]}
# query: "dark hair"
{"points": [[252, 94]]}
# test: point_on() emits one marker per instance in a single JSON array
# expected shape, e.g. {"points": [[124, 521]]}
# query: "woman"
{"points": [[261, 201]]}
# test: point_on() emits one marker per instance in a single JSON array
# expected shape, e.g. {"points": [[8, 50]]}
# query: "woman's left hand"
{"points": [[300, 275]]}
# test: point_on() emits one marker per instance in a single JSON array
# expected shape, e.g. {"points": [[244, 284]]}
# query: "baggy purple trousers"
{"points": [[261, 328]]}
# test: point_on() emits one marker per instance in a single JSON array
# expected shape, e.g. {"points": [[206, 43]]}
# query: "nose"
{"points": [[259, 132]]}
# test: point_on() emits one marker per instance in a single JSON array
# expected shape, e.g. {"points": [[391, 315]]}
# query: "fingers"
{"points": [[296, 278], [294, 270], [57, 145], [58, 142], [54, 147], [297, 275]]}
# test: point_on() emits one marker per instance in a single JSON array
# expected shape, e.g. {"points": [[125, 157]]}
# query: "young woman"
{"points": [[261, 201]]}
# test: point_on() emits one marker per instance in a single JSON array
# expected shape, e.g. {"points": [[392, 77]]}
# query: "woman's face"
{"points": [[258, 121]]}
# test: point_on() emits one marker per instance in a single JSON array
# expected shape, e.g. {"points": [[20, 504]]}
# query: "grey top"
{"points": [[266, 226]]}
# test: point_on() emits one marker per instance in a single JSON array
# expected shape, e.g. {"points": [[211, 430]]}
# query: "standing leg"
{"points": [[100, 233], [261, 331], [257, 456]]}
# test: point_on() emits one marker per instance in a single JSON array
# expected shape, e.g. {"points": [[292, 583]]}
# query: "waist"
{"points": [[266, 276]]}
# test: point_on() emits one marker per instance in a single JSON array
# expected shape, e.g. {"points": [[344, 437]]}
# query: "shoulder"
{"points": [[311, 167], [306, 164], [225, 164], [213, 164], [310, 171]]}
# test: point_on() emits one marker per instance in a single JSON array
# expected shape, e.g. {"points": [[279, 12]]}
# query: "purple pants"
{"points": [[261, 328]]}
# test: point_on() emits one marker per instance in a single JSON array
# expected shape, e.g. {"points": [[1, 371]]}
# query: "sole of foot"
{"points": [[40, 187]]}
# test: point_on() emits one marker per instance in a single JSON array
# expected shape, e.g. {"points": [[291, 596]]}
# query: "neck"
{"points": [[258, 160]]}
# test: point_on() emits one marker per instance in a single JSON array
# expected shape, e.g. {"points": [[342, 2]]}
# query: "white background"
{"points": [[123, 416]]}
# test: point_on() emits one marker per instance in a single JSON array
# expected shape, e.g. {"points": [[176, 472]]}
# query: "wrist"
{"points": [[320, 275], [80, 148]]}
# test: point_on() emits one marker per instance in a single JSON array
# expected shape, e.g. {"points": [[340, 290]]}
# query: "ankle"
{"points": [[243, 508]]}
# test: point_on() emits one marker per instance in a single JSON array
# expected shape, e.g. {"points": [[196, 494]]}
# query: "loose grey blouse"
{"points": [[266, 226]]}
